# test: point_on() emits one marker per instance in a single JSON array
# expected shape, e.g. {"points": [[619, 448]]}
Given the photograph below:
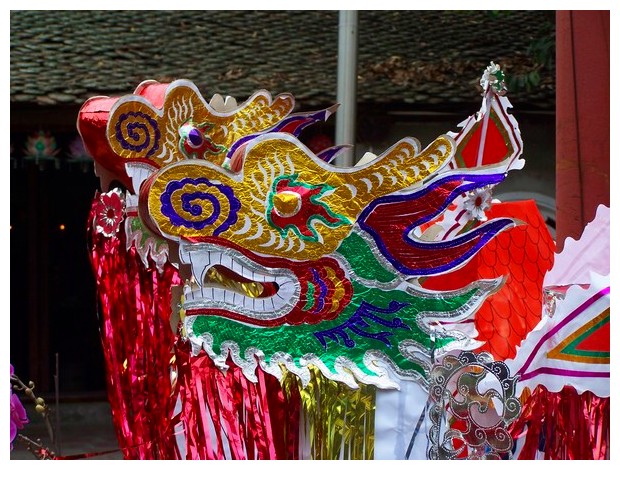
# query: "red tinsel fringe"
{"points": [[226, 416], [562, 426], [138, 345]]}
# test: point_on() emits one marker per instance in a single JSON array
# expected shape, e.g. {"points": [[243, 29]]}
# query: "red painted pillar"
{"points": [[582, 119]]}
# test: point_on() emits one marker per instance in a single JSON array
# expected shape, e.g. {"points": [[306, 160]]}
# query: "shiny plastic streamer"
{"points": [[137, 344], [338, 422], [226, 416], [562, 426]]}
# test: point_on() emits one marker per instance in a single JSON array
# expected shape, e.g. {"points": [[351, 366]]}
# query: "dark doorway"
{"points": [[53, 299]]}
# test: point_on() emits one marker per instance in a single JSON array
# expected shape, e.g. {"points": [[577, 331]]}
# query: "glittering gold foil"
{"points": [[348, 193], [338, 420], [137, 130], [249, 289], [286, 203]]}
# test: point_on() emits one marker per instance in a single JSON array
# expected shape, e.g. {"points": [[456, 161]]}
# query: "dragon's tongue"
{"points": [[233, 281]]}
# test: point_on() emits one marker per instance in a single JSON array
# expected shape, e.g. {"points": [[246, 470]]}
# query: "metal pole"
{"points": [[347, 84]]}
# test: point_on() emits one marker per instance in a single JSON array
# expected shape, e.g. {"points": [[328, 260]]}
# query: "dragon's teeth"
{"points": [[212, 296], [286, 289], [237, 268], [218, 294]]}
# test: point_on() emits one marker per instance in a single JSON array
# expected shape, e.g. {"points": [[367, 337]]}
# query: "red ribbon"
{"points": [[563, 425], [227, 416], [137, 344]]}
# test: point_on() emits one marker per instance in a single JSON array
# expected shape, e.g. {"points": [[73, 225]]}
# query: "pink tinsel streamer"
{"points": [[226, 416], [563, 426], [138, 344]]}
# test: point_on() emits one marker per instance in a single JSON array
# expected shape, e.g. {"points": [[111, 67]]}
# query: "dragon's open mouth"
{"points": [[221, 277], [264, 291], [227, 280]]}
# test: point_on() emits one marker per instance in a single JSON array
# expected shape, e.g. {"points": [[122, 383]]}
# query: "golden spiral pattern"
{"points": [[137, 132], [196, 207]]}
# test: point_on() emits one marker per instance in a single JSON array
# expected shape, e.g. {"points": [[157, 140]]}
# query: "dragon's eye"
{"points": [[194, 137], [195, 142]]}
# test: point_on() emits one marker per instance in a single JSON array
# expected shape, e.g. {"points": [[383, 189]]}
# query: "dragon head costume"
{"points": [[298, 290]]}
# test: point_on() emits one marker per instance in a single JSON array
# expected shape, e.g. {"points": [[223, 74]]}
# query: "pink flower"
{"points": [[18, 415], [109, 212]]}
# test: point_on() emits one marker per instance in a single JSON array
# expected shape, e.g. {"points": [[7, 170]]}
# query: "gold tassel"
{"points": [[338, 420]]}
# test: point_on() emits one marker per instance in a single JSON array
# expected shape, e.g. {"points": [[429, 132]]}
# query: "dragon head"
{"points": [[288, 260]]}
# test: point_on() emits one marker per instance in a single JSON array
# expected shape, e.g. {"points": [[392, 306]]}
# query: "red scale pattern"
{"points": [[523, 255]]}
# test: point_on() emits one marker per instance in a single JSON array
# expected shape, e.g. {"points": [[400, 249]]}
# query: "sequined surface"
{"points": [[473, 405], [242, 208], [263, 225]]}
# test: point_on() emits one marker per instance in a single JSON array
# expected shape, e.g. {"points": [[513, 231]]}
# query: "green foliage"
{"points": [[542, 55], [540, 52]]}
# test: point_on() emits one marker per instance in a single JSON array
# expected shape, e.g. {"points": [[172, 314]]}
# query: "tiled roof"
{"points": [[421, 58]]}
